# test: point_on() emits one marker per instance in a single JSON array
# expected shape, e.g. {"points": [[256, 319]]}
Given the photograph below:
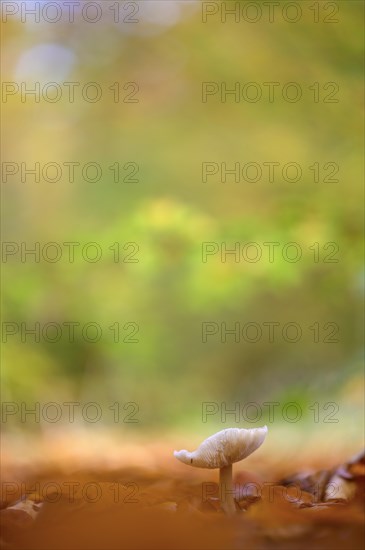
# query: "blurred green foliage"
{"points": [[170, 212]]}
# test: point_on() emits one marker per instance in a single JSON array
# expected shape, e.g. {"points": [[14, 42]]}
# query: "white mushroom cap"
{"points": [[224, 448]]}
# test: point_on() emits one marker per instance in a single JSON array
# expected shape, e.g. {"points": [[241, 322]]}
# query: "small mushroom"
{"points": [[221, 450]]}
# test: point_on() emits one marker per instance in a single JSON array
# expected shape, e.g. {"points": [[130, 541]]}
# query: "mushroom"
{"points": [[221, 450]]}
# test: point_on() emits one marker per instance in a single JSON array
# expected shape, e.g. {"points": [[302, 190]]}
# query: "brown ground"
{"points": [[175, 508]]}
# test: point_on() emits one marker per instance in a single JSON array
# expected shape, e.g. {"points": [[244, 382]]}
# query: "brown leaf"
{"points": [[314, 483], [340, 489]]}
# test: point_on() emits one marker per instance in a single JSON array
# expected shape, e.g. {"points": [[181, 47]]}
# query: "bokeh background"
{"points": [[169, 211]]}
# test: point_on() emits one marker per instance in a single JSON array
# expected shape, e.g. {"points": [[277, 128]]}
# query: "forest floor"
{"points": [[164, 505]]}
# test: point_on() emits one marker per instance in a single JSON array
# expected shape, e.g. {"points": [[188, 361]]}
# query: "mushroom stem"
{"points": [[226, 490]]}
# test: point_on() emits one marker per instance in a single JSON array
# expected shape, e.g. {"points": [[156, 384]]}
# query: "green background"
{"points": [[169, 372]]}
